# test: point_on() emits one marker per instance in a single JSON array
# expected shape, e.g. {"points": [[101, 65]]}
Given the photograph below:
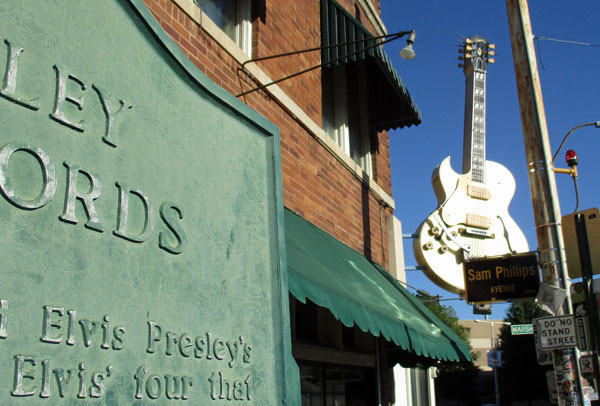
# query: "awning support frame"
{"points": [[387, 38]]}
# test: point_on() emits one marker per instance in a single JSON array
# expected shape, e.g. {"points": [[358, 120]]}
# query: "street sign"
{"points": [[498, 358], [583, 313], [482, 308], [552, 389], [544, 357], [501, 278], [556, 332], [592, 226], [521, 329], [586, 364]]}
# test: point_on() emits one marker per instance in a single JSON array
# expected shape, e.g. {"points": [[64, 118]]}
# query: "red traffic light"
{"points": [[571, 158]]}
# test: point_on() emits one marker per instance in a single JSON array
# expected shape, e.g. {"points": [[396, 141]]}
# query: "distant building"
{"points": [[481, 340]]}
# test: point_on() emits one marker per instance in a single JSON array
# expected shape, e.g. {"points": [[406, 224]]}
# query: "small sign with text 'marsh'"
{"points": [[501, 278], [521, 329]]}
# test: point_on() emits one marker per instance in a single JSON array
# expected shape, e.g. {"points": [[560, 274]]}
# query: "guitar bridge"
{"points": [[476, 232]]}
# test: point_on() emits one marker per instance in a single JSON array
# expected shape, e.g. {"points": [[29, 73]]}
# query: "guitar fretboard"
{"points": [[474, 137]]}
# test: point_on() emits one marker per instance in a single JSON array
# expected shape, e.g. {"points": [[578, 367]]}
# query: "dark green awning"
{"points": [[390, 104], [359, 292]]}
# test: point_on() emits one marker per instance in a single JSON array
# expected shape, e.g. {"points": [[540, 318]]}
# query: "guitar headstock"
{"points": [[476, 52]]}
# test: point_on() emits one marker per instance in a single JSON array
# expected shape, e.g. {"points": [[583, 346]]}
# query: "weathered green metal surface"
{"points": [[141, 220]]}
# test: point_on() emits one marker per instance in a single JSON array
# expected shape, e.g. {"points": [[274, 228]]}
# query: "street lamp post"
{"points": [[494, 357]]}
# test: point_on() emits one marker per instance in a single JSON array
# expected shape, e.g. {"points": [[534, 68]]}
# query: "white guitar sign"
{"points": [[472, 218]]}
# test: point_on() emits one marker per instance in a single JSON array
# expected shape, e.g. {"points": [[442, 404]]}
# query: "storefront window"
{"points": [[420, 385], [326, 385]]}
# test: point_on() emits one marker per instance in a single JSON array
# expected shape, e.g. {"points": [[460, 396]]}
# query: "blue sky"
{"points": [[570, 80]]}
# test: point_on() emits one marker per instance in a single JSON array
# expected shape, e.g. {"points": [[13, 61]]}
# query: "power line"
{"points": [[455, 44], [450, 23], [412, 287], [566, 41], [439, 299], [563, 41], [434, 297], [448, 29]]}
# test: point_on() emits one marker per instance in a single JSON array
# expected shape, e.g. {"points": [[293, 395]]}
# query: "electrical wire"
{"points": [[539, 38], [566, 41], [596, 123], [452, 44], [443, 300], [449, 30], [424, 292], [450, 22], [576, 194], [412, 287]]}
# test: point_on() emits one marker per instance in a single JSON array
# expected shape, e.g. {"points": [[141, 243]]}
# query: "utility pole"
{"points": [[542, 183]]}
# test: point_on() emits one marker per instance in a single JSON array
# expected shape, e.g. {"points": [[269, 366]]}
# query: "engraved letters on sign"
{"points": [[72, 90], [46, 377]]}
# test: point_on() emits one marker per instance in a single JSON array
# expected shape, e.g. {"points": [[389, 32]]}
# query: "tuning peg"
{"points": [[491, 53], [468, 41], [491, 60], [461, 58], [468, 55], [460, 65], [492, 46], [461, 51]]}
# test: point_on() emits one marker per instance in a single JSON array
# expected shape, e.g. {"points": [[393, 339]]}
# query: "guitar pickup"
{"points": [[479, 192], [479, 221]]}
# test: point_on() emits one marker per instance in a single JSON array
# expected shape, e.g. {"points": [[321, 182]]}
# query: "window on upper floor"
{"points": [[345, 111], [233, 17], [362, 92]]}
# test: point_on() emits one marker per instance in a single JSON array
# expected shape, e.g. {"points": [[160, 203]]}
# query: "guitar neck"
{"points": [[474, 135]]}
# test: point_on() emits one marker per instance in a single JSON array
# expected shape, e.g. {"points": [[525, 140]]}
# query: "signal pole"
{"points": [[542, 184]]}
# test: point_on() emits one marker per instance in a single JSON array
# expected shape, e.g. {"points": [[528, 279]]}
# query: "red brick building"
{"points": [[319, 182], [335, 160]]}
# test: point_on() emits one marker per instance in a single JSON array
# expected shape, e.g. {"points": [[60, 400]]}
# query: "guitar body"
{"points": [[471, 220]]}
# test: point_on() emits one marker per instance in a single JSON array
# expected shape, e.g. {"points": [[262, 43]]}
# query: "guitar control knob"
{"points": [[428, 246], [443, 249]]}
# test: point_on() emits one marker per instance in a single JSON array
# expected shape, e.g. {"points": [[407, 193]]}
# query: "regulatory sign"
{"points": [[591, 219], [557, 332], [544, 357], [521, 329], [501, 278], [586, 364], [494, 361], [482, 308]]}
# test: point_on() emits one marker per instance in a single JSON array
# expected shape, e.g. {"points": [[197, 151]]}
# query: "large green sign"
{"points": [[140, 219]]}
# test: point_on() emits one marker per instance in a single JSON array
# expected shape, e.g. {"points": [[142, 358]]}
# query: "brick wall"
{"points": [[316, 185], [290, 26]]}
